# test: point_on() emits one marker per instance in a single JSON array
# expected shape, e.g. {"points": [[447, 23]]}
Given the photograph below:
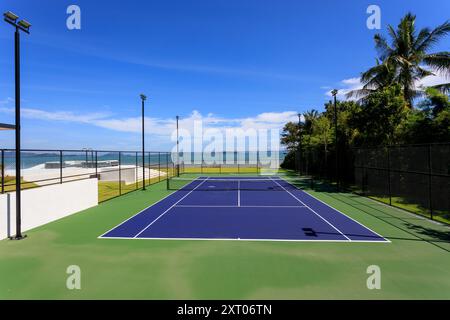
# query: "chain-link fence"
{"points": [[412, 177]]}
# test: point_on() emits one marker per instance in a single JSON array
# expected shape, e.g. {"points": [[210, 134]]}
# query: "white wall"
{"points": [[42, 205]]}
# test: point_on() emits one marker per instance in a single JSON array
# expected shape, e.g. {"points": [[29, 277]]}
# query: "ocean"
{"points": [[34, 158]]}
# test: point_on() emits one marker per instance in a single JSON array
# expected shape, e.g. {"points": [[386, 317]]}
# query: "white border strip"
{"points": [[245, 240]]}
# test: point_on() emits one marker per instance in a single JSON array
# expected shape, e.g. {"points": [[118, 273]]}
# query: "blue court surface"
{"points": [[237, 208]]}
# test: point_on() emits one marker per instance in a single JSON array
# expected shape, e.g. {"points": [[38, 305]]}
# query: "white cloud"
{"points": [[350, 84], [162, 127]]}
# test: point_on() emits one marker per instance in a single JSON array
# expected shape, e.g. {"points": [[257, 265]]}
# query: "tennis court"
{"points": [[237, 208]]}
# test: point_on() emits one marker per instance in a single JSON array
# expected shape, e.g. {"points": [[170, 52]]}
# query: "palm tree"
{"points": [[310, 116], [405, 59]]}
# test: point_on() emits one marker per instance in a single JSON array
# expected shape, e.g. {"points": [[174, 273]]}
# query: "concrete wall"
{"points": [[45, 204], [127, 175]]}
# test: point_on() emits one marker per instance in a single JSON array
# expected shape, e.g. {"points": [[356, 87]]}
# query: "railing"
{"points": [[119, 172]]}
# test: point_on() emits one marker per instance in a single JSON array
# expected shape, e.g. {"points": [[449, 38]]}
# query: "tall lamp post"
{"points": [[334, 94], [24, 26], [300, 143], [143, 98], [178, 151]]}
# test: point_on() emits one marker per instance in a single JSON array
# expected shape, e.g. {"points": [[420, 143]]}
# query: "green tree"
{"points": [[403, 59], [379, 117], [430, 122]]}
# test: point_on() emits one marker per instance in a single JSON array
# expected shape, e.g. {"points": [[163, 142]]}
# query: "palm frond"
{"points": [[382, 46], [444, 88], [439, 62], [433, 37]]}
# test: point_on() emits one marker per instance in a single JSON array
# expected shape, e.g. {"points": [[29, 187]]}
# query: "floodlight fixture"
{"points": [[12, 17], [24, 24]]}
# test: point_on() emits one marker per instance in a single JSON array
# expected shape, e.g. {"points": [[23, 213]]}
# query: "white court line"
{"points": [[224, 206], [246, 240], [134, 215], [312, 210], [170, 208], [387, 240]]}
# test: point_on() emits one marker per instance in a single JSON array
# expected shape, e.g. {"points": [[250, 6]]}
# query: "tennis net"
{"points": [[229, 184]]}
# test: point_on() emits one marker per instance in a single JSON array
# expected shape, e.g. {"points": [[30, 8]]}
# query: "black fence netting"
{"points": [[412, 177]]}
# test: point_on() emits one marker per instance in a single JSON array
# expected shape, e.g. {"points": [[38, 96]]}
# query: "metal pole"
{"points": [[336, 139], [96, 164], [120, 173], [149, 166], [167, 170], [18, 235], [430, 181], [136, 173], [300, 144], [178, 151], [143, 145], [60, 167], [389, 175], [3, 171], [159, 166]]}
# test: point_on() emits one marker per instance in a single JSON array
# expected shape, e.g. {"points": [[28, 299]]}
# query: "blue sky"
{"points": [[231, 63]]}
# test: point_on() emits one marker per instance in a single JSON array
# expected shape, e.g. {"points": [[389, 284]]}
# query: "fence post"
{"points": [[120, 173], [149, 168], [167, 170], [257, 161], [430, 181], [364, 173], [60, 166], [3, 171], [96, 164], [159, 166], [136, 173], [389, 174]]}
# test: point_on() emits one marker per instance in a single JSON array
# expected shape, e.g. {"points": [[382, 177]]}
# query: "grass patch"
{"points": [[10, 184]]}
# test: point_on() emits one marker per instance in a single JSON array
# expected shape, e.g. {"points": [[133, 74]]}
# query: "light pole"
{"points": [[334, 94], [143, 98], [24, 26], [178, 151], [300, 143]]}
